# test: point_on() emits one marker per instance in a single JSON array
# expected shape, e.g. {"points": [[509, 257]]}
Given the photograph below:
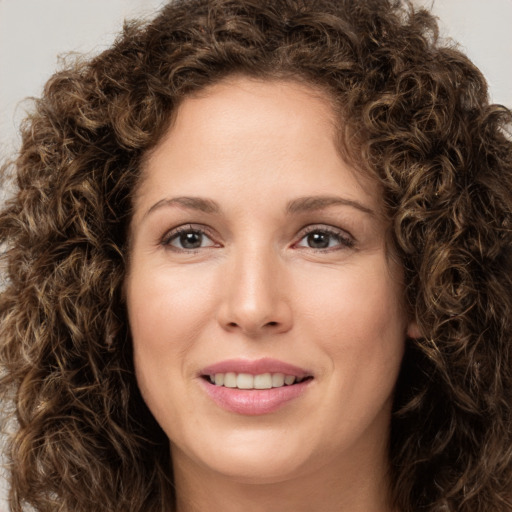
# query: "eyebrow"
{"points": [[312, 203], [299, 205], [191, 203]]}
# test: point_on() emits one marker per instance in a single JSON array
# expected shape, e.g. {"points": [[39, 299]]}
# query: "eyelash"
{"points": [[174, 234], [344, 239]]}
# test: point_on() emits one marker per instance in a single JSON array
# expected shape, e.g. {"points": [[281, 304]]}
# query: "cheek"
{"points": [[369, 295], [166, 312], [357, 317], [357, 321], [167, 309]]}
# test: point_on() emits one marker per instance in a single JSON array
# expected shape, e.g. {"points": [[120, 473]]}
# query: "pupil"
{"points": [[191, 240], [318, 240]]}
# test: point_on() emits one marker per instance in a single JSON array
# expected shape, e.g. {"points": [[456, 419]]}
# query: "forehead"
{"points": [[251, 131], [236, 104]]}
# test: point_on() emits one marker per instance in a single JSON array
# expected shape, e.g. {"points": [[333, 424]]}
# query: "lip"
{"points": [[252, 402], [255, 367]]}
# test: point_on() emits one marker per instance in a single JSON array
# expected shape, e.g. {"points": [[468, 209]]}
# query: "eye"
{"points": [[188, 238], [321, 238]]}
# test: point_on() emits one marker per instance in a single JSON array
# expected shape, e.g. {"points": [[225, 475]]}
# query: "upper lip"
{"points": [[255, 367]]}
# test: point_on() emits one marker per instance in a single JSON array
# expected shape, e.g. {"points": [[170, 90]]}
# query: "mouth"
{"points": [[248, 381], [255, 387]]}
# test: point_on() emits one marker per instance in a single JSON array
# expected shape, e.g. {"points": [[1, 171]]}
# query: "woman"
{"points": [[259, 258]]}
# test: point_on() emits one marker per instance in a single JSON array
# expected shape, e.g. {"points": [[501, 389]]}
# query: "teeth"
{"points": [[289, 380], [245, 381], [263, 381], [248, 381], [277, 380], [230, 380]]}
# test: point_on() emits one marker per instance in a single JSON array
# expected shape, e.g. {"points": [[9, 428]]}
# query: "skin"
{"points": [[255, 287]]}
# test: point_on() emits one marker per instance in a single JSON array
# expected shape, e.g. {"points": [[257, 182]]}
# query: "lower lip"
{"points": [[253, 402]]}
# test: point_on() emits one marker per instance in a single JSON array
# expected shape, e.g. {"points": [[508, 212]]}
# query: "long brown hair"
{"points": [[413, 113]]}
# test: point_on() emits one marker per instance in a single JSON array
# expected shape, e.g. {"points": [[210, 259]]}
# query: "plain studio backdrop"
{"points": [[34, 33]]}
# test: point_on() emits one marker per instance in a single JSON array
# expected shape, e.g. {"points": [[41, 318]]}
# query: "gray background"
{"points": [[33, 33]]}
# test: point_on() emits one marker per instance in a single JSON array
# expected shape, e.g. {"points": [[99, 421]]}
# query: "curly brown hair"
{"points": [[414, 113]]}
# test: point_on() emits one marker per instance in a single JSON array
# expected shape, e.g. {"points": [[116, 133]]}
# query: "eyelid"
{"points": [[184, 228], [346, 239]]}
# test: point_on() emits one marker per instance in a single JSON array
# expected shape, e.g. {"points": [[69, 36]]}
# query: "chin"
{"points": [[253, 458], [257, 470]]}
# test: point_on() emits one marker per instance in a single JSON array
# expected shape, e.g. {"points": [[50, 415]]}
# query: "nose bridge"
{"points": [[254, 296]]}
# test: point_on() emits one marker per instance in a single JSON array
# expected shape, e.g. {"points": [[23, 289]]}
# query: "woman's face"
{"points": [[258, 255]]}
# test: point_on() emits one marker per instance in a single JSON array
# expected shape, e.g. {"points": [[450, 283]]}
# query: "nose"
{"points": [[255, 301]]}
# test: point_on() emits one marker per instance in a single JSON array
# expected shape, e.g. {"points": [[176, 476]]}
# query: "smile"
{"points": [[248, 381], [255, 387]]}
